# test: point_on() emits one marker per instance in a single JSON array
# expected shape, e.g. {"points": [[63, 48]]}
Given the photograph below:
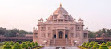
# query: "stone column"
{"points": [[56, 34], [52, 35], [64, 34]]}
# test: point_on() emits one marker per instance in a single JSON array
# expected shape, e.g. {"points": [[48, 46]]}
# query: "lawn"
{"points": [[1, 44], [0, 47]]}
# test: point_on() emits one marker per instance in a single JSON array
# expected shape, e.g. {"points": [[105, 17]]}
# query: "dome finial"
{"points": [[60, 5]]}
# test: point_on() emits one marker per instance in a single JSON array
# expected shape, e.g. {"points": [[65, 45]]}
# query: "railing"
{"points": [[15, 38]]}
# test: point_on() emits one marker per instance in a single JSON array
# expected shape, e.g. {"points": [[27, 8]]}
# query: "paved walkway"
{"points": [[55, 48], [48, 48], [72, 48]]}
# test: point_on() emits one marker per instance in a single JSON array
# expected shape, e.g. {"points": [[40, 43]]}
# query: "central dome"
{"points": [[60, 14], [60, 10]]}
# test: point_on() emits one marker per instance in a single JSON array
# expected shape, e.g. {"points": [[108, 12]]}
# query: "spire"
{"points": [[60, 5]]}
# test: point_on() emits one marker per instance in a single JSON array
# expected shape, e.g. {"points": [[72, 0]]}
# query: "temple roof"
{"points": [[60, 16], [60, 10], [60, 13]]}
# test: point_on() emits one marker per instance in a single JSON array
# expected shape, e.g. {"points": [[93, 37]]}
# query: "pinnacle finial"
{"points": [[60, 5]]}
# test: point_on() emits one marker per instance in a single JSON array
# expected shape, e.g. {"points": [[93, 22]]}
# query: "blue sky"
{"points": [[24, 14]]}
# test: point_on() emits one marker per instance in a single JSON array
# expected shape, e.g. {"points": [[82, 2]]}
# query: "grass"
{"points": [[1, 44], [0, 47]]}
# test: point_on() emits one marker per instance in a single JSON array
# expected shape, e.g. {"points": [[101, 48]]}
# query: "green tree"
{"points": [[103, 30], [99, 33], [17, 46], [22, 33], [2, 31], [11, 33], [108, 32], [7, 46], [91, 34]]}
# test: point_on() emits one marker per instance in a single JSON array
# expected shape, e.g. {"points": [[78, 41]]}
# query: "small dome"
{"points": [[80, 19], [41, 19], [70, 17], [50, 18], [60, 16]]}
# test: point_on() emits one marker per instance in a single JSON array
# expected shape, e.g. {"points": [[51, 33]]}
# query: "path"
{"points": [[55, 48], [72, 48]]}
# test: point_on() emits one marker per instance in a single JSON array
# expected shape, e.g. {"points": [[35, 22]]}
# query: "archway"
{"points": [[60, 34]]}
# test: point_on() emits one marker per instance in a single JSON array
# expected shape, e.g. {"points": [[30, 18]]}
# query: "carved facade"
{"points": [[60, 29]]}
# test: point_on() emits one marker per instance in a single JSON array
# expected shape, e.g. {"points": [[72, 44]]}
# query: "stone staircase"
{"points": [[60, 47], [60, 42], [51, 47]]}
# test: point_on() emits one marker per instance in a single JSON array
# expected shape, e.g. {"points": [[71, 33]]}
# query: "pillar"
{"points": [[64, 34], [56, 34]]}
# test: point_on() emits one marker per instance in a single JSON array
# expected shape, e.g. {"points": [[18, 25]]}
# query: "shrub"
{"points": [[90, 45], [1, 43], [36, 44], [17, 46], [95, 46], [24, 45], [5, 42], [103, 46], [33, 44], [11, 43], [29, 44], [7, 46], [110, 47], [84, 44], [108, 44]]}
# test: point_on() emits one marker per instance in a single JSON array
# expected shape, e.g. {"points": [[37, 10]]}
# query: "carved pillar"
{"points": [[56, 34], [52, 35], [68, 34], [64, 34]]}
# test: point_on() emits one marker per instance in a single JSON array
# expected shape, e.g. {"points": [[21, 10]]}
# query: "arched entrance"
{"points": [[60, 34]]}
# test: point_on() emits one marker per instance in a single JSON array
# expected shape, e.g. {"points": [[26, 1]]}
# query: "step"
{"points": [[60, 42]]}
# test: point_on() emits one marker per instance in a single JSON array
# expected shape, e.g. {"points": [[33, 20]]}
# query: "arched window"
{"points": [[54, 36], [85, 35]]}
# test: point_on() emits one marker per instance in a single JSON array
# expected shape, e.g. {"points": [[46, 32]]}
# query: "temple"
{"points": [[60, 29]]}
